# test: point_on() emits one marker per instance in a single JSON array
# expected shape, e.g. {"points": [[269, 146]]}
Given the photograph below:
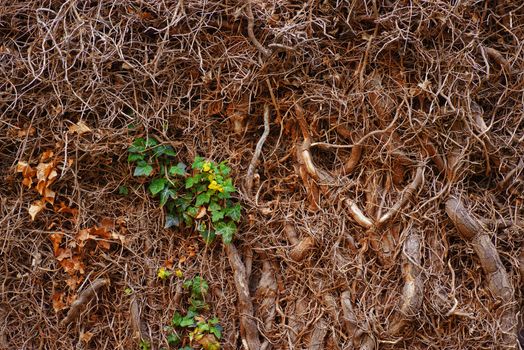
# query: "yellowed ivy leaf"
{"points": [[163, 273]]}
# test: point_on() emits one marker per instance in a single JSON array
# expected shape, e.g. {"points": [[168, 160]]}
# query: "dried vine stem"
{"points": [[251, 33], [408, 193], [258, 150], [472, 231], [248, 327], [85, 296]]}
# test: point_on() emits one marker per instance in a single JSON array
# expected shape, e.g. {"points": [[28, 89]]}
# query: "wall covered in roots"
{"points": [[377, 148]]}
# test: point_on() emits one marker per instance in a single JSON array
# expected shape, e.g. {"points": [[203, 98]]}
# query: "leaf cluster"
{"points": [[193, 326], [199, 197]]}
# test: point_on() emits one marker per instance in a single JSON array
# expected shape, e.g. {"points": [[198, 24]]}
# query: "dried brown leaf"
{"points": [[36, 208], [80, 128]]}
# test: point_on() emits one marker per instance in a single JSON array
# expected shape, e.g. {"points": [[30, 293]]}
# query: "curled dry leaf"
{"points": [[36, 208], [58, 301], [56, 239], [86, 337], [79, 128], [27, 173]]}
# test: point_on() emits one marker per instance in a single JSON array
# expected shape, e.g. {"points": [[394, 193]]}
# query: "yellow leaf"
{"points": [[179, 273], [163, 273]]}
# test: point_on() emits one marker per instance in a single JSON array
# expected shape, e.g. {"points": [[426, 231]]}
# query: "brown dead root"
{"points": [[413, 290], [361, 338], [85, 296], [258, 150], [137, 324], [320, 329], [296, 321], [301, 248], [265, 299], [248, 327], [499, 284]]}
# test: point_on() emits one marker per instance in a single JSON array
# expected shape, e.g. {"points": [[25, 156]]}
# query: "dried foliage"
{"points": [[379, 146]]}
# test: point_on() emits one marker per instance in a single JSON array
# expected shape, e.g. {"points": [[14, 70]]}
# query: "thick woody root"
{"points": [[316, 342], [301, 248], [472, 231], [265, 297], [85, 296], [248, 327], [413, 290], [139, 329], [296, 322], [361, 339]]}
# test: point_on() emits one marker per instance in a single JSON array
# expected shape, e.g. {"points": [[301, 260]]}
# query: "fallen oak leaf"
{"points": [[27, 172], [46, 172]]}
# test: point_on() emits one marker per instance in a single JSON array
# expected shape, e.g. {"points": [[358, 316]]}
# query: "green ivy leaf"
{"points": [[166, 194], [187, 321], [223, 169], [192, 211], [164, 150], [179, 169], [173, 339], [177, 318], [157, 185], [151, 142], [216, 331], [234, 212], [138, 146], [227, 230], [202, 198], [144, 345], [191, 181], [217, 215], [133, 157], [214, 206], [198, 285], [198, 163], [228, 186], [143, 169], [208, 235]]}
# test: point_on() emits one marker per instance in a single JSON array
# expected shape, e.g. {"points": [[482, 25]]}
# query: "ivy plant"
{"points": [[199, 197], [192, 329]]}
